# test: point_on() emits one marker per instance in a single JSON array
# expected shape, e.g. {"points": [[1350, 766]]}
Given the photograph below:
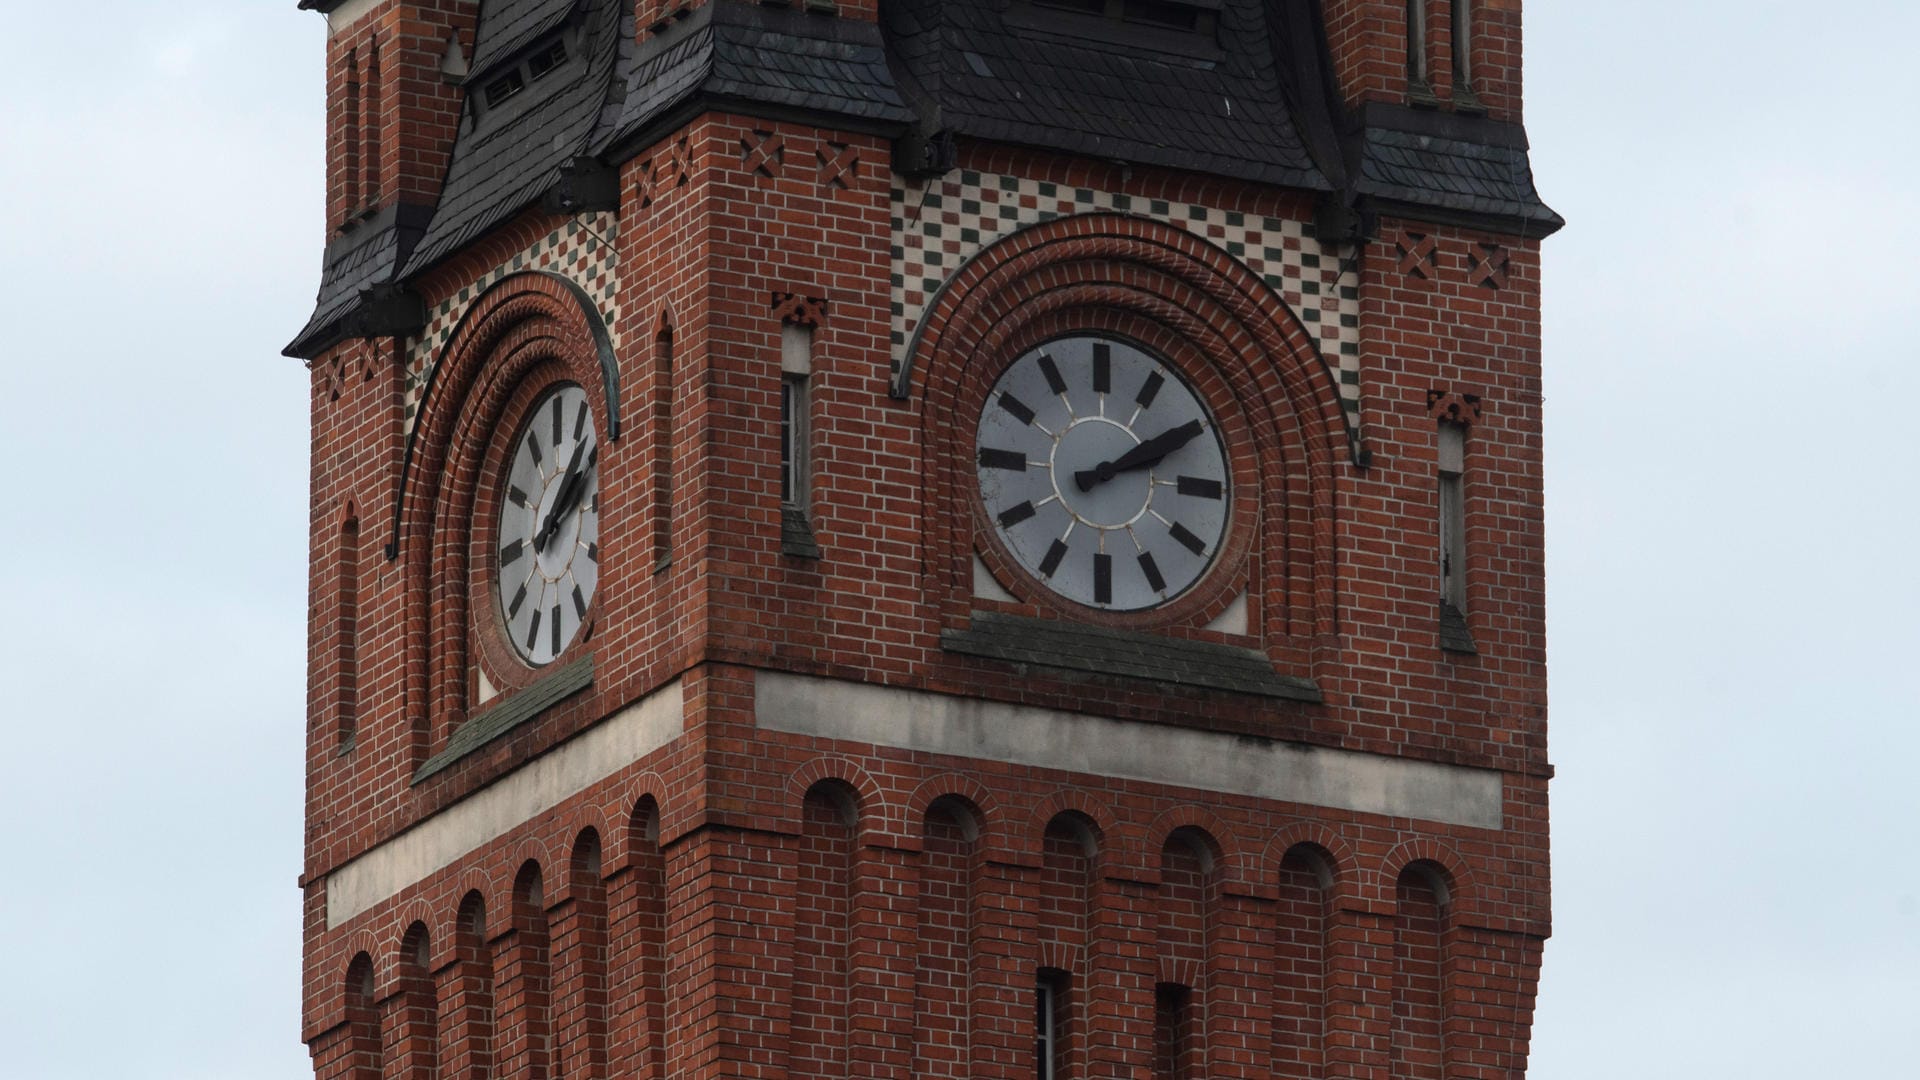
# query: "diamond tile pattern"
{"points": [[582, 249], [939, 224]]}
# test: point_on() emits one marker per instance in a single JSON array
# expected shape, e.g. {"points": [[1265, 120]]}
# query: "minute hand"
{"points": [[1141, 456]]}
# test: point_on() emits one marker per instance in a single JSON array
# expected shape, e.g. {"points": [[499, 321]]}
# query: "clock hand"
{"points": [[1142, 456], [570, 489]]}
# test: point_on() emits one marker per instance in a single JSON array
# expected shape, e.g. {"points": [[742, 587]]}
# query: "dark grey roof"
{"points": [[505, 159], [1471, 167], [365, 256], [1075, 647], [509, 26], [1017, 73], [741, 53]]}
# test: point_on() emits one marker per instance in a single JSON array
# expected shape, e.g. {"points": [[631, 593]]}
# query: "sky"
{"points": [[1731, 321]]}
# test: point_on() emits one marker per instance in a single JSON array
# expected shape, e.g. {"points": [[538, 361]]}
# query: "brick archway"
{"points": [[1148, 280]]}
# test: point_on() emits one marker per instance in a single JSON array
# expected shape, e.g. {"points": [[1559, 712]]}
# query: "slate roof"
{"points": [[505, 159], [1076, 647], [974, 69], [1253, 102], [506, 28], [1437, 161], [742, 53], [368, 256]]}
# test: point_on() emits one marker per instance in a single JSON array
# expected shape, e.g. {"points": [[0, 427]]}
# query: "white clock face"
{"points": [[1103, 474], [549, 556]]}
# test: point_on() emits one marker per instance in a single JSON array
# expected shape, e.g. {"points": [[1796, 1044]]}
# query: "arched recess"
{"points": [[944, 916], [534, 323], [363, 1022], [1208, 314], [417, 1051], [824, 906]]}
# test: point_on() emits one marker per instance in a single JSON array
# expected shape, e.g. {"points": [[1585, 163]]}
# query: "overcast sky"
{"points": [[1732, 384]]}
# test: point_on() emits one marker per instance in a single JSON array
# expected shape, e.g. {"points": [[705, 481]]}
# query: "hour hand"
{"points": [[1142, 456]]}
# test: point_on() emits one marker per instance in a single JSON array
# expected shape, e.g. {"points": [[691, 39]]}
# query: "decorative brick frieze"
{"points": [[941, 223]]}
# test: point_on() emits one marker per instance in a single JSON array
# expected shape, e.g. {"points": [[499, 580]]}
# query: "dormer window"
{"points": [[537, 64], [505, 88]]}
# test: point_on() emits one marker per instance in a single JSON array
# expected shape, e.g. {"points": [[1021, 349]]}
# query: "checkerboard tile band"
{"points": [[941, 223], [582, 249]]}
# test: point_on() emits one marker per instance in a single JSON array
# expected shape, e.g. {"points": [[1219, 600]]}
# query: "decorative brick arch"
{"points": [[1234, 873], [975, 796], [874, 823], [1346, 890], [1456, 874], [623, 840], [1116, 849], [527, 325], [1210, 316], [416, 910]]}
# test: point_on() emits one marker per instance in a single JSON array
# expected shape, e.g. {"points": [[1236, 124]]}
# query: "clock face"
{"points": [[1102, 473], [549, 527]]}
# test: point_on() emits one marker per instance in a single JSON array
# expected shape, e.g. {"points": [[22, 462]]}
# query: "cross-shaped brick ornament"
{"points": [[1419, 256]]}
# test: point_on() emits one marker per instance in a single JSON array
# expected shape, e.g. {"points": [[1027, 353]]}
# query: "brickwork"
{"points": [[1369, 45], [392, 111], [747, 902]]}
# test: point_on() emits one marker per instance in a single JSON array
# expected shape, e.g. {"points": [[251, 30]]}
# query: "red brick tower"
{"points": [[919, 539]]}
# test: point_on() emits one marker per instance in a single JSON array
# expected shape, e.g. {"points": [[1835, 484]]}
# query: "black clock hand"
{"points": [[570, 489], [1146, 454]]}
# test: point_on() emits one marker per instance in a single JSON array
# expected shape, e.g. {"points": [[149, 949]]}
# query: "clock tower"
{"points": [[924, 539]]}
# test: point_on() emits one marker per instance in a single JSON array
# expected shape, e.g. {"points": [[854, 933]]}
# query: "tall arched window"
{"points": [[346, 634], [370, 129]]}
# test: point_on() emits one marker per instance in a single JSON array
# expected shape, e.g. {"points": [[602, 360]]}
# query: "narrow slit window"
{"points": [[1453, 516], [1463, 46], [663, 449], [796, 371], [1417, 44], [370, 156], [1048, 999]]}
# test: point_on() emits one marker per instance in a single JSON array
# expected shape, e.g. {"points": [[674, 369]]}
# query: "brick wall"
{"points": [[749, 903]]}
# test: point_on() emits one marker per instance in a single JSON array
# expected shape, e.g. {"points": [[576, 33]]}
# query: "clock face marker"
{"points": [[1134, 460], [1052, 562], [1052, 371], [544, 592], [1187, 540], [1012, 460], [1014, 515], [1152, 570], [1200, 488], [1149, 390], [1017, 408]]}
